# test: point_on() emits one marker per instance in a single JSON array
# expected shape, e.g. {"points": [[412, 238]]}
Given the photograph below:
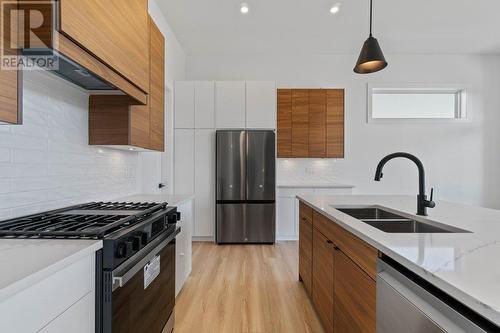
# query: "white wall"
{"points": [[460, 158], [158, 167], [47, 163]]}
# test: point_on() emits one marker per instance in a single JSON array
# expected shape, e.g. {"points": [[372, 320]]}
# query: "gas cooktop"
{"points": [[92, 220]]}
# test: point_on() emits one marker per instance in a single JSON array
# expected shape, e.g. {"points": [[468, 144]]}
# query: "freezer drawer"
{"points": [[261, 183], [246, 223], [231, 165], [230, 223], [260, 223]]}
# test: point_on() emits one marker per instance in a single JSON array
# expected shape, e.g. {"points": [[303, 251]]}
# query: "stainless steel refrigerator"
{"points": [[246, 186]]}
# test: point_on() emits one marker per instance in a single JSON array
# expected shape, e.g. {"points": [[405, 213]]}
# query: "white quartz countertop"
{"points": [[172, 200], [465, 265], [25, 262], [312, 184]]}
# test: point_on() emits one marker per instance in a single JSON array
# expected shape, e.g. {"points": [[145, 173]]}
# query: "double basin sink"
{"points": [[390, 222]]}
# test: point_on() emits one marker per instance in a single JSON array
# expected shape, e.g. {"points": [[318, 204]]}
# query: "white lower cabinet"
{"points": [[183, 247], [287, 208], [62, 302], [79, 318]]}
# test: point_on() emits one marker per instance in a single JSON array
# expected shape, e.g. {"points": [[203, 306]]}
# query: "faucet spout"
{"points": [[422, 202]]}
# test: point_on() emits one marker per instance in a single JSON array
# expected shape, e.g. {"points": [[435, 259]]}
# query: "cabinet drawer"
{"points": [[359, 251], [36, 306], [305, 212]]}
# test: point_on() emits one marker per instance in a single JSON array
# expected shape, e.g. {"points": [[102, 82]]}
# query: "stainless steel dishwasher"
{"points": [[407, 303]]}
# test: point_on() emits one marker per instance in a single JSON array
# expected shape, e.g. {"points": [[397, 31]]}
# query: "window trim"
{"points": [[461, 112]]}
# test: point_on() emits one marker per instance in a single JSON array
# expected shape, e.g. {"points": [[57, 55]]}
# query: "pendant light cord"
{"points": [[371, 15]]}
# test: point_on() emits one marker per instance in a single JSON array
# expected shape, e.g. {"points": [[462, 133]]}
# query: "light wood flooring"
{"points": [[245, 288]]}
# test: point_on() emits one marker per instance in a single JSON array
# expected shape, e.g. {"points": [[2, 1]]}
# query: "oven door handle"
{"points": [[123, 273]]}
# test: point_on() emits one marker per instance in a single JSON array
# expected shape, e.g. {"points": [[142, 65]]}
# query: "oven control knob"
{"points": [[144, 238], [136, 243], [121, 250]]}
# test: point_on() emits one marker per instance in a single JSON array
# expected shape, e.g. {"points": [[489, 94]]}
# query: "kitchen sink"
{"points": [[371, 213], [395, 223]]}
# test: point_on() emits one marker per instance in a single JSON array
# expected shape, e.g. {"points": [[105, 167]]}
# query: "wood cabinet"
{"points": [[284, 129], [114, 120], [355, 297], [305, 247], [10, 83], [323, 280], [310, 123], [300, 123], [343, 280], [114, 32]]}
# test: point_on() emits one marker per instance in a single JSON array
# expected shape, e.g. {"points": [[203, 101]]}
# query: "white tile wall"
{"points": [[46, 163], [305, 169]]}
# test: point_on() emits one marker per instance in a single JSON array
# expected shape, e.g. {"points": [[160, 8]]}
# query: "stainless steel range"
{"points": [[135, 270]]}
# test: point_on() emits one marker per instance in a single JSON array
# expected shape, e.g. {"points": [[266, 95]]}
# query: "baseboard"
{"points": [[287, 238], [203, 239]]}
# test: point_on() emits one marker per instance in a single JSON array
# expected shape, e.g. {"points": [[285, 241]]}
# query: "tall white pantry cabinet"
{"points": [[200, 108]]}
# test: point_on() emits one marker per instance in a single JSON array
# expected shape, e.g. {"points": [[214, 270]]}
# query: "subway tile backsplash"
{"points": [[46, 163]]}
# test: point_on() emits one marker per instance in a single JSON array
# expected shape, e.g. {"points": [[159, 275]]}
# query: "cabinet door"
{"points": [[230, 104], [322, 284], [184, 104], [300, 123], [204, 104], [285, 226], [335, 123], [355, 297], [204, 182], [115, 33], [157, 89], [284, 123], [305, 253], [317, 123], [184, 161], [261, 104], [180, 265]]}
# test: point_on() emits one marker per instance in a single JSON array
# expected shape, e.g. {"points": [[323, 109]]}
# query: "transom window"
{"points": [[415, 102]]}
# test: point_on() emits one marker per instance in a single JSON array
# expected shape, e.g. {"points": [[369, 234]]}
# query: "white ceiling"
{"points": [[306, 26]]}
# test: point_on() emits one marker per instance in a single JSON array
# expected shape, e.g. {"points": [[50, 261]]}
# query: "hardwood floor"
{"points": [[245, 288]]}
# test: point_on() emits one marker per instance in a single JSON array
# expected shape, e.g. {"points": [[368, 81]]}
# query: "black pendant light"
{"points": [[371, 59]]}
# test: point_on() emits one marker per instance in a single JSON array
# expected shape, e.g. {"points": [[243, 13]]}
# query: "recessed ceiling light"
{"points": [[335, 8], [244, 8], [131, 149]]}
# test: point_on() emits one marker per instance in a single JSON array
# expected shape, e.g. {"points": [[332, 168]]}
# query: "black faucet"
{"points": [[422, 202]]}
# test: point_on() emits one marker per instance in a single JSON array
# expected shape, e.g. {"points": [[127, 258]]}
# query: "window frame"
{"points": [[460, 91]]}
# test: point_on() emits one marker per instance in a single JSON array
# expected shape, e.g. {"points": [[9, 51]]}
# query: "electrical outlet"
{"points": [[310, 170]]}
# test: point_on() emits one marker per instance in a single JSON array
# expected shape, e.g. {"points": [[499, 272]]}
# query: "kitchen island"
{"points": [[463, 265]]}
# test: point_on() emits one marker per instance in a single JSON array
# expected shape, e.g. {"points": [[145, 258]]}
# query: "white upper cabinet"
{"points": [[230, 104], [184, 104], [261, 104], [184, 161], [204, 104]]}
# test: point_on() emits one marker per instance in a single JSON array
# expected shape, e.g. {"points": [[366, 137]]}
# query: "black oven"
{"points": [[139, 294]]}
